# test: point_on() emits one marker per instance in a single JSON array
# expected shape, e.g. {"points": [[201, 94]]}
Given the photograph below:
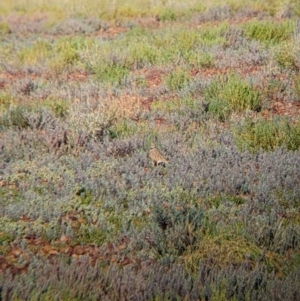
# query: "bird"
{"points": [[156, 156]]}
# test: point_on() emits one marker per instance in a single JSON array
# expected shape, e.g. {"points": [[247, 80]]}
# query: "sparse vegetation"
{"points": [[86, 89]]}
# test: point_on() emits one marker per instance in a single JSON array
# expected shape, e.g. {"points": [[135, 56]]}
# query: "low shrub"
{"points": [[111, 72], [286, 56], [269, 32], [297, 86], [4, 28], [267, 134], [173, 229], [231, 94], [177, 79], [14, 117], [167, 14]]}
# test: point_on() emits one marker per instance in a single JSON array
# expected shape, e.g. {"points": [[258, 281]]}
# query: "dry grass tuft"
{"points": [[125, 106]]}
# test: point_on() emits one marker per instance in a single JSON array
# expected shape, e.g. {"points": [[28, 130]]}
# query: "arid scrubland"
{"points": [[86, 87]]}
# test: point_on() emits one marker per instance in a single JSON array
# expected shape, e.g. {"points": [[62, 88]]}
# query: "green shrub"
{"points": [[57, 56], [88, 234], [14, 117], [267, 135], [216, 201], [68, 55], [165, 106], [206, 61], [129, 12], [177, 79], [68, 48], [297, 86], [269, 32], [167, 15], [174, 229], [230, 94], [142, 53], [5, 100], [58, 106], [4, 28], [124, 128], [65, 53], [223, 248], [213, 35], [219, 108], [35, 53], [296, 8], [111, 72], [200, 60], [286, 56]]}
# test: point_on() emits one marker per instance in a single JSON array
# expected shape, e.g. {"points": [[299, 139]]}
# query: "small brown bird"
{"points": [[156, 156]]}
